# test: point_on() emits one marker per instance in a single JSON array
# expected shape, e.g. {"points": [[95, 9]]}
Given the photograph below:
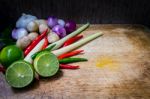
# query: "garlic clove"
{"points": [[52, 37], [43, 27], [41, 21], [32, 35], [32, 26]]}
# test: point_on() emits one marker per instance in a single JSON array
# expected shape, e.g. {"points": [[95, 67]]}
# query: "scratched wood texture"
{"points": [[128, 77]]}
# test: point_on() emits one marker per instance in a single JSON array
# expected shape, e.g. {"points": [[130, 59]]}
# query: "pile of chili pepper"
{"points": [[36, 41], [64, 59]]}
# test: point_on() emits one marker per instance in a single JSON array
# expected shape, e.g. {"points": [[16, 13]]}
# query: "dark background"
{"points": [[81, 11]]}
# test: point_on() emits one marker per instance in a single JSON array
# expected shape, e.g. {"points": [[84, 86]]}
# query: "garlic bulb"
{"points": [[24, 20], [43, 27], [23, 42], [41, 21], [32, 26], [52, 37], [32, 35]]}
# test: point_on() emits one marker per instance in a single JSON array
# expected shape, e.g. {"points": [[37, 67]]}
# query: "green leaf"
{"points": [[7, 41], [5, 37], [6, 33]]}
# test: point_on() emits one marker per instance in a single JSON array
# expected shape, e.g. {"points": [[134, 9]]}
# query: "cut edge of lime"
{"points": [[12, 66], [37, 68]]}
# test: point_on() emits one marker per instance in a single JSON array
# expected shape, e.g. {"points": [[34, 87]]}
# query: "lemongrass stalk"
{"points": [[37, 48], [61, 41], [76, 44]]}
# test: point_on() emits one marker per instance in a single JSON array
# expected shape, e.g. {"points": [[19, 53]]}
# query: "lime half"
{"points": [[46, 64], [19, 74]]}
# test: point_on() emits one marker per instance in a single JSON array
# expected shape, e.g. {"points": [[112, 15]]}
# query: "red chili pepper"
{"points": [[45, 43], [70, 54], [35, 42], [72, 40], [66, 66], [2, 69]]}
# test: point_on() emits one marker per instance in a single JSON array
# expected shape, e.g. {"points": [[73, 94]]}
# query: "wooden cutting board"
{"points": [[118, 67]]}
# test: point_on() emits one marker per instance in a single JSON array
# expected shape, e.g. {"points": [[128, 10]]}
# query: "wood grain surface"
{"points": [[118, 68]]}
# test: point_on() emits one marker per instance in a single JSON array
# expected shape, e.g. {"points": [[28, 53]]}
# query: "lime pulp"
{"points": [[46, 64], [19, 74]]}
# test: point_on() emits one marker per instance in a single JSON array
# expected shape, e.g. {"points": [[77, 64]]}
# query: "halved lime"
{"points": [[19, 74], [46, 64]]}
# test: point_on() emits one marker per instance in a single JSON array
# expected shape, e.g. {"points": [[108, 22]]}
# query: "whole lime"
{"points": [[9, 54]]}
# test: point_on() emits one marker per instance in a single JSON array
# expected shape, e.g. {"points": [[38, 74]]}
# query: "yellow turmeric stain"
{"points": [[107, 62]]}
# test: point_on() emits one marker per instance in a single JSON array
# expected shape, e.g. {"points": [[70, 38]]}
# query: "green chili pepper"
{"points": [[72, 60], [47, 49], [50, 48]]}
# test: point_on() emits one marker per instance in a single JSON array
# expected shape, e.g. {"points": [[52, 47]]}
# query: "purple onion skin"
{"points": [[59, 30], [61, 22], [70, 26], [52, 21]]}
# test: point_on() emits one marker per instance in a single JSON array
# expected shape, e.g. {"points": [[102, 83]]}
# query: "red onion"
{"points": [[59, 30], [52, 21], [70, 26], [61, 22]]}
